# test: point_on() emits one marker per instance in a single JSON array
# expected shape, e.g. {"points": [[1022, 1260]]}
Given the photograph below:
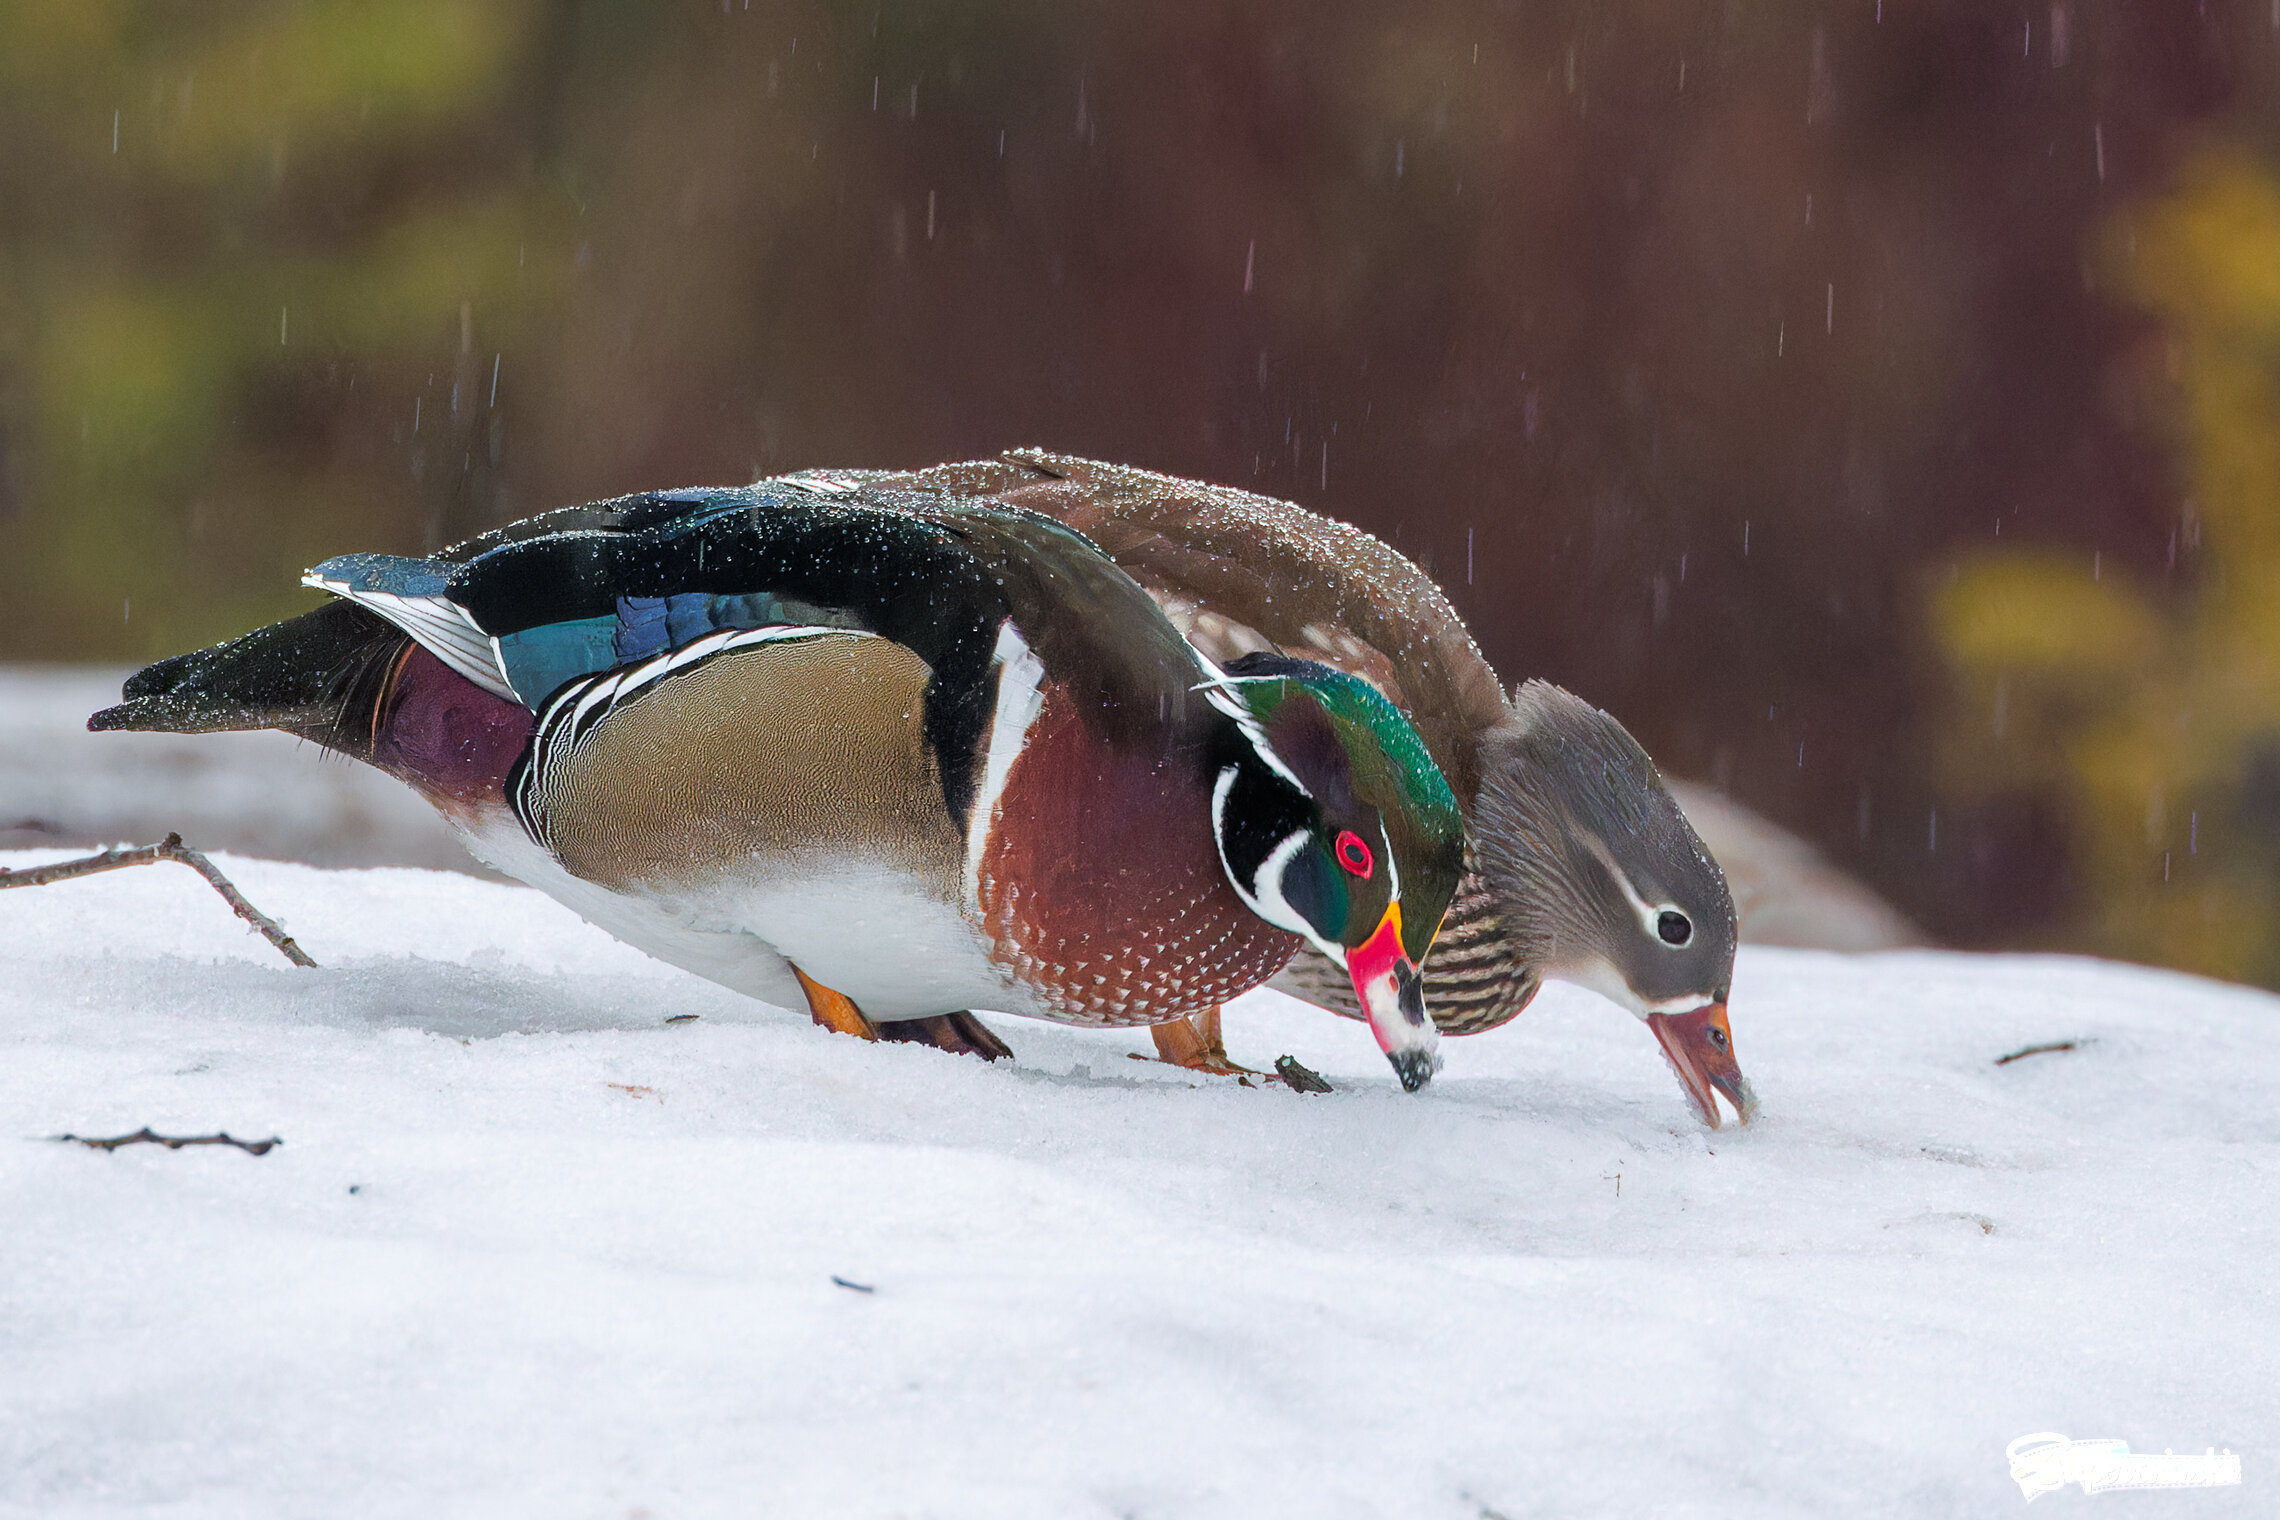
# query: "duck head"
{"points": [[1334, 824], [1604, 883]]}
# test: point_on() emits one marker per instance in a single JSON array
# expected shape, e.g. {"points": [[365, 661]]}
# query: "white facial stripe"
{"points": [[1650, 914], [1020, 697], [1269, 903], [1218, 690]]}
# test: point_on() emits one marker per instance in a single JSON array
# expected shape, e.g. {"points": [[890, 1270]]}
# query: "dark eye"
{"points": [[1717, 1037], [1674, 928], [1355, 855]]}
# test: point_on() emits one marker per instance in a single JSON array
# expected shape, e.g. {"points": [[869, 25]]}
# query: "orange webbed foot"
{"points": [[1196, 1044], [834, 1010]]}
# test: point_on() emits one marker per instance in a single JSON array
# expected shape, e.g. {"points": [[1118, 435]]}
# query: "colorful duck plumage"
{"points": [[895, 755], [1580, 865]]}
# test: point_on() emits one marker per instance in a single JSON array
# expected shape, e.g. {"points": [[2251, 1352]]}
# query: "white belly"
{"points": [[855, 927]]}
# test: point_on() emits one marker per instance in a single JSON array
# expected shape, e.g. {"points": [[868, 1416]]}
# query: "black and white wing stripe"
{"points": [[570, 718]]}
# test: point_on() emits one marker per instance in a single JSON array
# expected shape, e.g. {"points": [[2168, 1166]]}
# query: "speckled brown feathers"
{"points": [[1170, 937]]}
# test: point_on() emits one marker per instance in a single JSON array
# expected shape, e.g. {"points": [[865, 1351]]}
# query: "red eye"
{"points": [[1353, 854]]}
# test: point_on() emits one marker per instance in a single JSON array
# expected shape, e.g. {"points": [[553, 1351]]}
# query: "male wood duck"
{"points": [[897, 755], [1579, 865]]}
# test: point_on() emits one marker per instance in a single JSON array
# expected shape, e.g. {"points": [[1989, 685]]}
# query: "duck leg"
{"points": [[959, 1033], [1196, 1043], [834, 1010]]}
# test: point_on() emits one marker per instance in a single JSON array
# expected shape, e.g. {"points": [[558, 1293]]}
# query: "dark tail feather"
{"points": [[321, 675]]}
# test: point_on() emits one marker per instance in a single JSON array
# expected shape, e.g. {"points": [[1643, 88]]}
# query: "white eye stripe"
{"points": [[1218, 689], [1650, 914]]}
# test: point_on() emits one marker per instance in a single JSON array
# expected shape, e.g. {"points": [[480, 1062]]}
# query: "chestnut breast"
{"points": [[1100, 885]]}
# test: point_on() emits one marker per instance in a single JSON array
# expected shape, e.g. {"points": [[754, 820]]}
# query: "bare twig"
{"points": [[144, 1136], [2034, 1050], [171, 848]]}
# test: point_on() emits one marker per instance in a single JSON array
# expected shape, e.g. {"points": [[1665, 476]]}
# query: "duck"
{"points": [[894, 755], [1579, 865]]}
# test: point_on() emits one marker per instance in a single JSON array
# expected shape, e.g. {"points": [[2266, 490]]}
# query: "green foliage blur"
{"points": [[182, 315], [1872, 404]]}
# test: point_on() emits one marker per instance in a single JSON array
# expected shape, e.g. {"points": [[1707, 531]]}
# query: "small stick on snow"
{"points": [[1297, 1078], [171, 848], [2034, 1050], [144, 1136]]}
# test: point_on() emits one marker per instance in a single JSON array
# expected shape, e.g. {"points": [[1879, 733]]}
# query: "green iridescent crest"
{"points": [[1391, 751]]}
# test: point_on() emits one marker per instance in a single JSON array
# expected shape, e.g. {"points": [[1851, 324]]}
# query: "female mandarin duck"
{"points": [[1579, 865], [897, 754]]}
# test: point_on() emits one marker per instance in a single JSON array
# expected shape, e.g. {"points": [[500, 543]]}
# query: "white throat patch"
{"points": [[1268, 902]]}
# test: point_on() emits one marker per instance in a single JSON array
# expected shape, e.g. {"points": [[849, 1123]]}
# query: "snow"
{"points": [[529, 1250]]}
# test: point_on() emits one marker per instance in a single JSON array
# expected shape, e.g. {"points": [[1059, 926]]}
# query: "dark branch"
{"points": [[144, 1136], [171, 848], [2034, 1050]]}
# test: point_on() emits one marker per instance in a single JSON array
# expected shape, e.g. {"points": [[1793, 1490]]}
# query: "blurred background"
{"points": [[1874, 403]]}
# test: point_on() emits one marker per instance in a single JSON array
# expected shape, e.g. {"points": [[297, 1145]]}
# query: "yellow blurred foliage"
{"points": [[2156, 719]]}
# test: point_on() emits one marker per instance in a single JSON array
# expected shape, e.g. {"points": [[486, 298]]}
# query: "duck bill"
{"points": [[1393, 994], [1700, 1047]]}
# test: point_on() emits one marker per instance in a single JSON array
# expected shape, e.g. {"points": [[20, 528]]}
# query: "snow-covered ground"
{"points": [[528, 1250]]}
